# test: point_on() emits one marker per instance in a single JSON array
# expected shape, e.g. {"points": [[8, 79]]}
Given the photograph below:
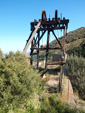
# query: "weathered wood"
{"points": [[56, 63], [46, 48], [60, 79], [57, 39], [44, 72], [48, 36], [33, 54], [31, 38], [38, 52], [39, 38], [53, 22], [51, 28], [31, 59], [47, 25], [56, 14], [64, 42]]}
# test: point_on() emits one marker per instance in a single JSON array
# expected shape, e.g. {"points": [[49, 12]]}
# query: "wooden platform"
{"points": [[67, 90]]}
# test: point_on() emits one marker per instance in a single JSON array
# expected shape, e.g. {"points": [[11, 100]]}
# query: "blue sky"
{"points": [[16, 15]]}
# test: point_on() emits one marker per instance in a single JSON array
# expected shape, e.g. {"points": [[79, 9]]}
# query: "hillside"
{"points": [[73, 39]]}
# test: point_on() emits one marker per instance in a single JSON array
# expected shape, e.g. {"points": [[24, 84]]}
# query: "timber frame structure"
{"points": [[40, 27]]}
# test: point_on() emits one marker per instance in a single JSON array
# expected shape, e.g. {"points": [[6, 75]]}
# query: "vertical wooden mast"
{"points": [[31, 59], [38, 52], [63, 59], [48, 36]]}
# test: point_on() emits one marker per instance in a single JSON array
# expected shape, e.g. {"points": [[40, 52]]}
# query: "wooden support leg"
{"points": [[61, 77], [31, 59], [64, 42], [47, 49], [38, 53]]}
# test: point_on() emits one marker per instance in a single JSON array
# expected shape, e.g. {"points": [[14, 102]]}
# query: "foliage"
{"points": [[77, 74], [73, 39], [20, 86], [78, 51], [1, 54], [70, 109], [51, 105]]}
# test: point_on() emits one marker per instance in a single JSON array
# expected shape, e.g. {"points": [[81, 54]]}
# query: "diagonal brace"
{"points": [[56, 38], [39, 38]]}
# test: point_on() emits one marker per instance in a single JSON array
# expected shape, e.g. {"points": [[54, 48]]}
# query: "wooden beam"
{"points": [[56, 63], [44, 72], [53, 22], [51, 28], [33, 54], [64, 42], [57, 39], [61, 77], [31, 59], [46, 48], [39, 38], [48, 36], [31, 38], [38, 52]]}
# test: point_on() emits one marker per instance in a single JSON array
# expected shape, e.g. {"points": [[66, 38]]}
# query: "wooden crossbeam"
{"points": [[33, 54], [46, 48], [31, 38], [53, 22], [52, 28], [56, 63]]}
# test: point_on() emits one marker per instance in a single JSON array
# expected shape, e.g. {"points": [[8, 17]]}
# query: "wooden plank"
{"points": [[46, 48], [56, 63], [33, 54], [52, 28], [31, 38], [53, 22], [44, 72]]}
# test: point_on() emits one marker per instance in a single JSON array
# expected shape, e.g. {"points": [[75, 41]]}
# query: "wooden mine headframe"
{"points": [[40, 27]]}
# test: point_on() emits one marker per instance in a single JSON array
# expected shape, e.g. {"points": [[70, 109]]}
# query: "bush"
{"points": [[51, 105], [20, 86], [78, 51], [77, 74]]}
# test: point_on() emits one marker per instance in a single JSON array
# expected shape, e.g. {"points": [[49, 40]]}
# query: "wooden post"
{"points": [[63, 59], [64, 42], [38, 52], [31, 59], [48, 35]]}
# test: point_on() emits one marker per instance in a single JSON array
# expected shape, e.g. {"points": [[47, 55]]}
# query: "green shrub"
{"points": [[72, 109], [20, 86], [51, 105], [78, 51]]}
